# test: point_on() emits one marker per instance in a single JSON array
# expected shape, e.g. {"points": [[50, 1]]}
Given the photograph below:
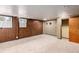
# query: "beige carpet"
{"points": [[40, 43]]}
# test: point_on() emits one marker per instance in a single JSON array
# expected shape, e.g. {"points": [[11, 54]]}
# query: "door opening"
{"points": [[65, 28]]}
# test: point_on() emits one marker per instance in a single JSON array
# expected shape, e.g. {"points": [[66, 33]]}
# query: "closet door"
{"points": [[74, 29]]}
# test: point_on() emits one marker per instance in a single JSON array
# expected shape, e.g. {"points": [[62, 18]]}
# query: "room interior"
{"points": [[39, 28]]}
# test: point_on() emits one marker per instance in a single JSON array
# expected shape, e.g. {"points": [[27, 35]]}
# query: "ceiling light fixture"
{"points": [[44, 19]]}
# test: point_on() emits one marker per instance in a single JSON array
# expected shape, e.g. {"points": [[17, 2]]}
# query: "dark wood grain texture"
{"points": [[7, 34]]}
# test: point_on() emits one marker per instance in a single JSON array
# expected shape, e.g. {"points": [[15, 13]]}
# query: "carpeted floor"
{"points": [[39, 44]]}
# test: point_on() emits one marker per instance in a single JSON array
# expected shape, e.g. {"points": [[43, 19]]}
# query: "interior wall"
{"points": [[49, 27], [65, 28], [34, 27], [59, 28], [7, 34], [24, 32]]}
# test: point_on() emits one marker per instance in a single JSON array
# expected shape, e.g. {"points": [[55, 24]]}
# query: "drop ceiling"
{"points": [[41, 12]]}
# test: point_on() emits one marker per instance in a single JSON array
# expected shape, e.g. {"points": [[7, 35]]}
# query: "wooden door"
{"points": [[74, 29]]}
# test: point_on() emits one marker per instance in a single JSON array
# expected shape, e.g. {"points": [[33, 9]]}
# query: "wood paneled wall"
{"points": [[7, 34], [34, 27], [25, 32], [74, 29]]}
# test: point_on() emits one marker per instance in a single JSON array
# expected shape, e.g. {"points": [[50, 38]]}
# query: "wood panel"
{"points": [[74, 29], [36, 27], [33, 28], [7, 34], [24, 32]]}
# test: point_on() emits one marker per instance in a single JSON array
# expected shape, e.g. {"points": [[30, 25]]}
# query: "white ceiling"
{"points": [[40, 11]]}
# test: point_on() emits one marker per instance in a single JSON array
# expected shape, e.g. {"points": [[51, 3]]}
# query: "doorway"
{"points": [[65, 28]]}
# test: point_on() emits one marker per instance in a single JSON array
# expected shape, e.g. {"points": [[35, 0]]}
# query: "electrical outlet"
{"points": [[17, 37]]}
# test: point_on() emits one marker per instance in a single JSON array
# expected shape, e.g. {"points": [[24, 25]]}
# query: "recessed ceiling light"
{"points": [[44, 19]]}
